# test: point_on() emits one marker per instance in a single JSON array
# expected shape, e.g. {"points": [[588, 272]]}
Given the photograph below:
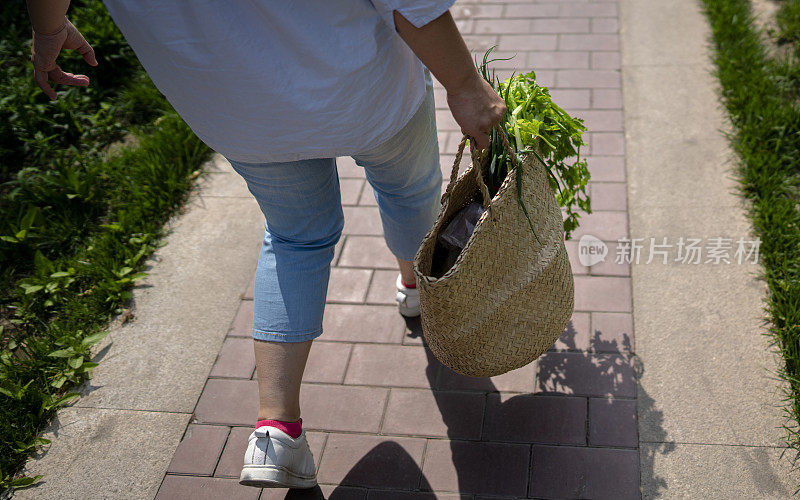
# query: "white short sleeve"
{"points": [[418, 12]]}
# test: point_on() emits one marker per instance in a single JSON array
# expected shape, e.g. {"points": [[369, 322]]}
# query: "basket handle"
{"points": [[477, 159]]}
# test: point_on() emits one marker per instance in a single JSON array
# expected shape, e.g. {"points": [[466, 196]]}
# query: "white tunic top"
{"points": [[280, 80]]}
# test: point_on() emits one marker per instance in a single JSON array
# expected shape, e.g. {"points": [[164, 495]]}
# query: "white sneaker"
{"points": [[407, 299], [276, 460]]}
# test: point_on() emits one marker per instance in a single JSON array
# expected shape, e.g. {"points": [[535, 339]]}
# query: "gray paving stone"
{"points": [[367, 251], [706, 369], [612, 332], [570, 99], [230, 463], [242, 324], [530, 42], [382, 289], [92, 451], [362, 220], [616, 263], [608, 144], [573, 252], [595, 9], [350, 190], [609, 195], [651, 26], [607, 168], [605, 25], [516, 10], [715, 471], [589, 42], [576, 334], [607, 225], [558, 60], [347, 168], [564, 25]]}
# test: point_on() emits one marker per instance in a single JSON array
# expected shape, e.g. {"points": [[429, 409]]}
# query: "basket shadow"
{"points": [[609, 371], [520, 423]]}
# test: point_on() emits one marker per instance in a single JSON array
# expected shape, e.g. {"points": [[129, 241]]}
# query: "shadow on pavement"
{"points": [[383, 469]]}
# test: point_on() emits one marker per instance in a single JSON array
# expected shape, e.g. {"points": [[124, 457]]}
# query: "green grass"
{"points": [[76, 223], [761, 96], [788, 21]]}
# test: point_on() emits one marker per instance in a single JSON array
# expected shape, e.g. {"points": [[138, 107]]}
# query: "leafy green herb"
{"points": [[534, 124]]}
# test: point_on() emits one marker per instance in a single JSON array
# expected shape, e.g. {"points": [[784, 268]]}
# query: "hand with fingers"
{"points": [[476, 108], [45, 50]]}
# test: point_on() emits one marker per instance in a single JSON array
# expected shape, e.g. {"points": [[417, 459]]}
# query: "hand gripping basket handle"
{"points": [[477, 161]]}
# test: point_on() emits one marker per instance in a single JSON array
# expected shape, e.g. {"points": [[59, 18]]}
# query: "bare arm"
{"points": [[474, 104], [47, 16], [52, 32]]}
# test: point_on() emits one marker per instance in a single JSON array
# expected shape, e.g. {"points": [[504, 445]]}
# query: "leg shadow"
{"points": [[518, 428]]}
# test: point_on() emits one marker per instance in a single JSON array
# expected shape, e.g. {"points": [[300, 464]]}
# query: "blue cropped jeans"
{"points": [[303, 214]]}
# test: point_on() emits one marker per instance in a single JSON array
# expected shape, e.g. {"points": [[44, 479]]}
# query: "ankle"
{"points": [[279, 413]]}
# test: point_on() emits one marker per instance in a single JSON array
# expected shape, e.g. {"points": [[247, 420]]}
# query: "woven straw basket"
{"points": [[509, 295]]}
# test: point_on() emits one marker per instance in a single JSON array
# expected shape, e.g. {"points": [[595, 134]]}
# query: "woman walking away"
{"points": [[281, 89]]}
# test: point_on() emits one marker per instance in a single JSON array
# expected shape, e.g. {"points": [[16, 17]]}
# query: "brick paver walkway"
{"points": [[384, 418]]}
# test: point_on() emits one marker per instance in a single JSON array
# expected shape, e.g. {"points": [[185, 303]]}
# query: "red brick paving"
{"points": [[177, 487], [385, 420], [609, 195], [612, 422], [607, 168], [327, 362], [372, 461], [418, 412], [199, 450], [350, 190], [236, 359], [367, 251], [477, 467], [584, 472]]}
